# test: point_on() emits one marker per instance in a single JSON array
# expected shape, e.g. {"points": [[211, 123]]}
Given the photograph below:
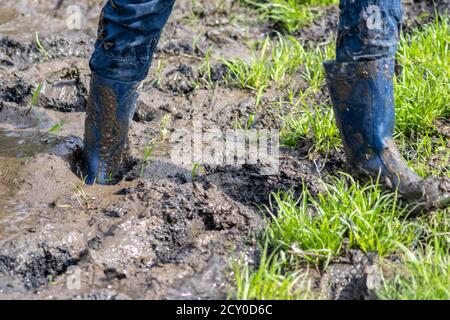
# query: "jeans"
{"points": [[129, 31], [368, 29]]}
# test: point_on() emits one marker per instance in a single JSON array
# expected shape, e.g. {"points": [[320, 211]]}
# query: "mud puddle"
{"points": [[161, 232], [7, 15], [15, 147], [15, 144]]}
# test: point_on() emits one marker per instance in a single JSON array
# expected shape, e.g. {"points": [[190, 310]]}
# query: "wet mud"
{"points": [[162, 232]]}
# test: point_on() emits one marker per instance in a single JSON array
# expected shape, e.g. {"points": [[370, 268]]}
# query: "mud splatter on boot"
{"points": [[362, 94], [110, 107]]}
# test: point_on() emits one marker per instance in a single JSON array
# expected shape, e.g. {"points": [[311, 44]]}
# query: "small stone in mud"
{"points": [[144, 113], [125, 191], [6, 63], [352, 280], [167, 108], [219, 72], [95, 243], [184, 69], [115, 212], [7, 264], [180, 80], [222, 36], [112, 274], [181, 86], [177, 48], [16, 93], [43, 264]]}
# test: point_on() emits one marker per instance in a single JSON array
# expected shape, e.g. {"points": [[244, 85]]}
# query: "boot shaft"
{"points": [[110, 108], [362, 95]]}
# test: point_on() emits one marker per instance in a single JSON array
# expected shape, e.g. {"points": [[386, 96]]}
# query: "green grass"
{"points": [[269, 281], [288, 15], [35, 97], [56, 128], [422, 276], [315, 124], [422, 90], [152, 144], [428, 154], [283, 63], [422, 97], [423, 273], [277, 62], [315, 228], [39, 46]]}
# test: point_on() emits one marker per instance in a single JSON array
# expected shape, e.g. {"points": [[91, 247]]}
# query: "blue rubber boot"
{"points": [[360, 83], [110, 108], [363, 103]]}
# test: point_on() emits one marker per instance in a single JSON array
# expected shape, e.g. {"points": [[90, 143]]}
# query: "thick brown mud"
{"points": [[163, 231]]}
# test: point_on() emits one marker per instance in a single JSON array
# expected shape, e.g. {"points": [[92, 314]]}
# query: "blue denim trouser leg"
{"points": [[128, 33], [368, 29]]}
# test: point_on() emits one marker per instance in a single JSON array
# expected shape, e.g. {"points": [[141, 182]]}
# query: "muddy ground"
{"points": [[160, 233]]}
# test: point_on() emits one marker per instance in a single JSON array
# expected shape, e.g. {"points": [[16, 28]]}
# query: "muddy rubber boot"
{"points": [[110, 108], [363, 103]]}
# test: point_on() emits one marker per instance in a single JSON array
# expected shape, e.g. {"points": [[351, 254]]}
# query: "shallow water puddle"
{"points": [[7, 27], [15, 147], [20, 144]]}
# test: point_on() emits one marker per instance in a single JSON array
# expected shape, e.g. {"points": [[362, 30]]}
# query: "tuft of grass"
{"points": [[197, 170], [150, 145], [56, 128], [39, 46], [423, 275], [435, 231], [422, 89], [288, 15], [83, 198], [286, 62], [158, 73], [206, 71], [269, 281], [428, 154], [422, 97], [35, 97], [276, 62], [361, 216], [316, 124]]}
